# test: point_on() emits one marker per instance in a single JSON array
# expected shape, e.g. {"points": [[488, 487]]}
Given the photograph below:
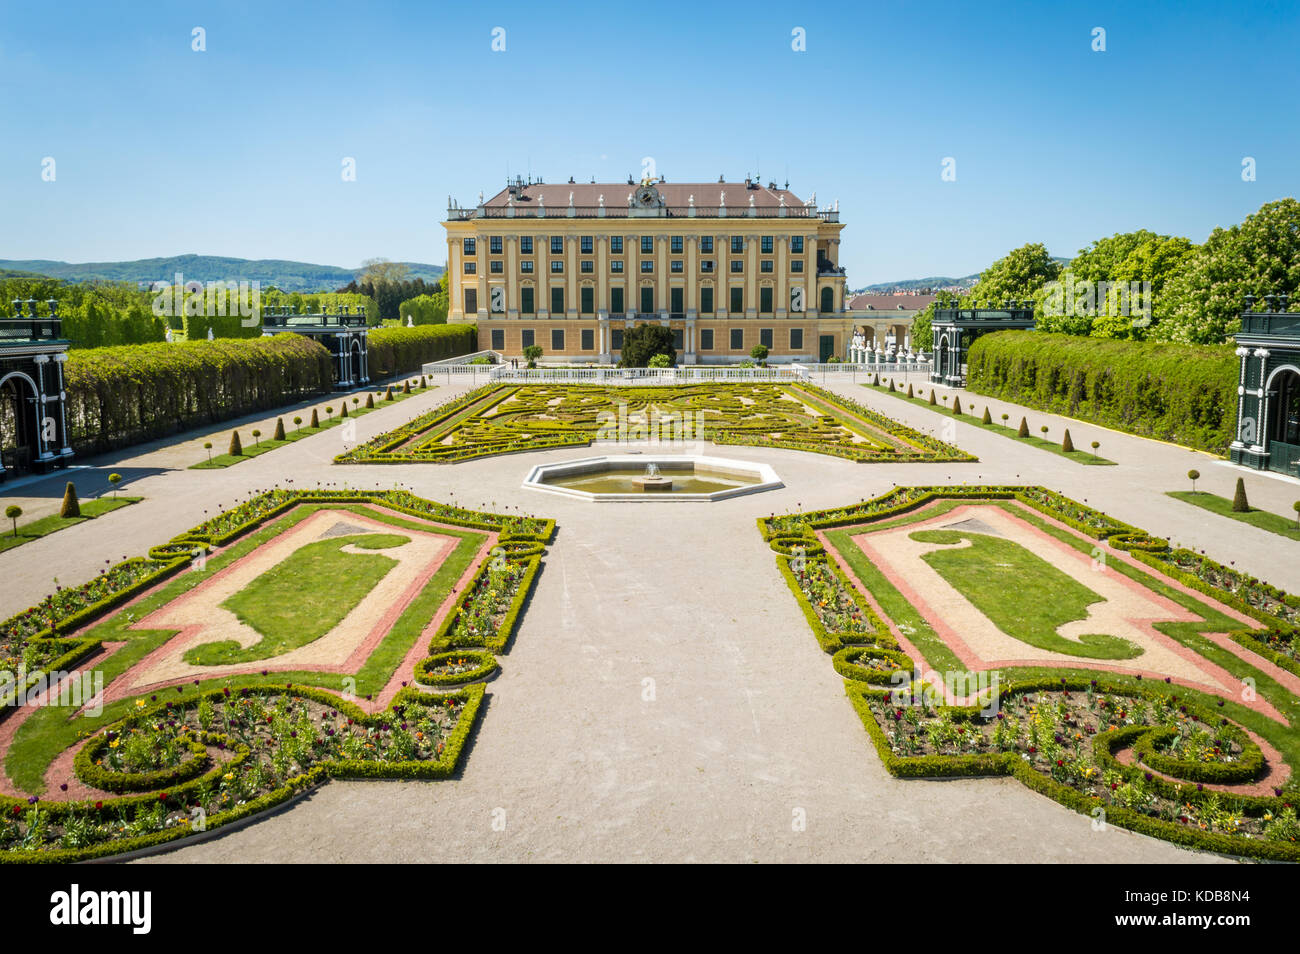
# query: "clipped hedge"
{"points": [[124, 395], [1180, 393], [395, 350]]}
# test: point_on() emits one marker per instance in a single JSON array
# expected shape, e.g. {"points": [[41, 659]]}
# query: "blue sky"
{"points": [[237, 150]]}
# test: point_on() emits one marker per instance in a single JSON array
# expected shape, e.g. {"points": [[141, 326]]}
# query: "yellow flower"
{"points": [[114, 744], [139, 703], [228, 776]]}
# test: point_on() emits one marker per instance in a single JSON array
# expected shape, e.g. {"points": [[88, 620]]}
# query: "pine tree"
{"points": [[1239, 502], [71, 506], [1067, 445], [1024, 428], [236, 446], [279, 430]]}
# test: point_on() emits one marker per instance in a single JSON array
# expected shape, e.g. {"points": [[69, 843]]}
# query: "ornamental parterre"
{"points": [[1156, 704], [508, 418], [176, 745]]}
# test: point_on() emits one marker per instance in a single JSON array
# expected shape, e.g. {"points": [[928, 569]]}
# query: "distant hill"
{"points": [[286, 275], [915, 284]]}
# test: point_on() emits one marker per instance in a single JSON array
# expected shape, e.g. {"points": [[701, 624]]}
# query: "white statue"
{"points": [[168, 336], [410, 321], [210, 334]]}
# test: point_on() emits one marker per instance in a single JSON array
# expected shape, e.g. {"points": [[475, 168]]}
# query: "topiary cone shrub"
{"points": [[875, 380], [406, 386], [1239, 502], [388, 394], [1024, 428], [344, 411], [1067, 445], [236, 445], [909, 391], [988, 418], [315, 418], [933, 402], [71, 506], [279, 430], [370, 400], [891, 385], [956, 404]]}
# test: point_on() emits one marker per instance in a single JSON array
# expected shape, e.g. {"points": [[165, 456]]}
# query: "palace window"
{"points": [[615, 339], [796, 339], [526, 266], [588, 340], [557, 339], [494, 244], [588, 266], [706, 265], [587, 244], [765, 303], [737, 244], [796, 244], [765, 266], [471, 301], [706, 339], [527, 338], [498, 339], [527, 300], [526, 245], [616, 266], [765, 337], [496, 266], [616, 244], [557, 301], [647, 244], [557, 244], [737, 339], [557, 266], [737, 301], [587, 301], [676, 244], [469, 268], [766, 245], [706, 301], [737, 265], [469, 246], [675, 266], [706, 244], [647, 265], [796, 265]]}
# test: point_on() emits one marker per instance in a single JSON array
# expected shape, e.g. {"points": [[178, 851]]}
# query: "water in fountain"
{"points": [[652, 470]]}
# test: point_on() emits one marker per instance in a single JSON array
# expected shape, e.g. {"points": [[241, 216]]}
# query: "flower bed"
{"points": [[507, 418], [281, 740], [455, 668]]}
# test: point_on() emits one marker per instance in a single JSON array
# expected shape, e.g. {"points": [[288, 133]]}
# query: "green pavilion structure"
{"points": [[955, 329], [33, 417], [1268, 389], [343, 334]]}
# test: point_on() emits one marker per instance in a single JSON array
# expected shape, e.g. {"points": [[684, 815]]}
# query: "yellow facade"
{"points": [[575, 265]]}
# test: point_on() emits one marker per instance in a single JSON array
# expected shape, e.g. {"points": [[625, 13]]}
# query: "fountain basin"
{"points": [[630, 477]]}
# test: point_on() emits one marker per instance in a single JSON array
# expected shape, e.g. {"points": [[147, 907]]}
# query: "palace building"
{"points": [[725, 265]]}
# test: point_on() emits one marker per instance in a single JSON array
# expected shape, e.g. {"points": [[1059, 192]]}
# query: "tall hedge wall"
{"points": [[394, 350], [1186, 394], [123, 395]]}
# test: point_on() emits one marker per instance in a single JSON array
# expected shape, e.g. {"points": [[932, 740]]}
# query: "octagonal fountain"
{"points": [[643, 477]]}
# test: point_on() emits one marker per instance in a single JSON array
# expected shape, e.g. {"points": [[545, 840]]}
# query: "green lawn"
{"points": [[1084, 456], [302, 598], [254, 448], [1282, 526], [35, 529], [992, 572]]}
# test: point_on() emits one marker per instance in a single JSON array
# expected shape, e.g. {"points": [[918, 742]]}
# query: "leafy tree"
{"points": [[532, 353], [660, 361], [645, 341], [1018, 275], [921, 334], [1260, 256], [381, 270], [759, 353], [13, 512]]}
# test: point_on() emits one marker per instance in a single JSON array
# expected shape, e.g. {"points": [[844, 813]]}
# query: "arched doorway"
{"points": [[354, 363], [941, 358], [18, 422], [1284, 425]]}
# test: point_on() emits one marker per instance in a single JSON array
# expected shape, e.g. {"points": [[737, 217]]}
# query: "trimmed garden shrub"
{"points": [[71, 505], [1239, 502], [956, 404], [933, 402], [236, 445], [279, 430], [1067, 445], [1174, 392], [315, 418], [394, 350], [988, 418], [1023, 429], [370, 401]]}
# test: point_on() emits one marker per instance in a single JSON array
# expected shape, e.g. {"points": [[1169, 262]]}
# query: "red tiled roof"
{"points": [[890, 302]]}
